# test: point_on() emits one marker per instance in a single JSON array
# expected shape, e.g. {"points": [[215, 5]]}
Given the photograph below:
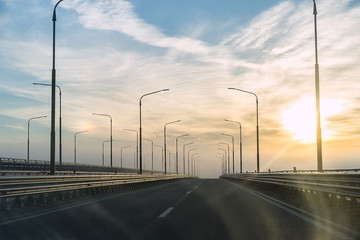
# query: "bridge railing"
{"points": [[324, 188], [23, 191], [14, 164]]}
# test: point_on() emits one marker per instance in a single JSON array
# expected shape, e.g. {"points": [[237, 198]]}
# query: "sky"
{"points": [[111, 52]]}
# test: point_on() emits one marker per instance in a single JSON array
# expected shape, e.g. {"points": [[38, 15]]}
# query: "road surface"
{"points": [[185, 209]]}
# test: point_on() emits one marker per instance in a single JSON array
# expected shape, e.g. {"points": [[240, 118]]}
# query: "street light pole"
{"points": [[169, 159], [162, 157], [137, 146], [198, 167], [121, 151], [192, 163], [177, 153], [140, 130], [193, 149], [165, 140], [107, 115], [224, 155], [75, 143], [152, 154], [240, 142], [103, 158], [317, 90], [28, 138], [222, 161], [257, 126], [228, 156], [103, 162], [53, 84], [232, 137], [184, 155], [60, 125]]}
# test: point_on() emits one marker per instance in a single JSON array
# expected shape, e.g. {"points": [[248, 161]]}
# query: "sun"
{"points": [[300, 118]]}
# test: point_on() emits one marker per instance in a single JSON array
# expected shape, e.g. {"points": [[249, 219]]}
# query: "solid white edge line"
{"points": [[305, 218], [167, 211]]}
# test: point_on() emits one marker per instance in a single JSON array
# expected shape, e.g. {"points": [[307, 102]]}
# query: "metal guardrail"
{"points": [[315, 171], [31, 190], [15, 164], [340, 171], [324, 188]]}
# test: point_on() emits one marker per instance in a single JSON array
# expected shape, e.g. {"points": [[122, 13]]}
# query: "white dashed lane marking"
{"points": [[167, 211]]}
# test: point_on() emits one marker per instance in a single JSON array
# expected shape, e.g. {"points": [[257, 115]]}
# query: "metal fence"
{"points": [[13, 164], [22, 191], [340, 189]]}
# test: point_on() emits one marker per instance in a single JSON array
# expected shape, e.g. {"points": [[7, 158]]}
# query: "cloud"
{"points": [[15, 127], [120, 16], [262, 29], [273, 56]]}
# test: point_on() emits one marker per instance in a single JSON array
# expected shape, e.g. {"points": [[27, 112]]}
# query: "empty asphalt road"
{"points": [[185, 209]]}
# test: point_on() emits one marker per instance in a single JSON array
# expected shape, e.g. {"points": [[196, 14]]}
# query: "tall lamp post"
{"points": [[184, 155], [162, 157], [240, 142], [224, 155], [140, 130], [222, 161], [169, 160], [28, 133], [193, 149], [107, 115], [152, 154], [75, 143], [137, 145], [192, 163], [53, 84], [165, 140], [198, 167], [103, 158], [121, 151], [177, 152], [257, 125], [60, 130], [232, 138], [317, 90], [228, 156]]}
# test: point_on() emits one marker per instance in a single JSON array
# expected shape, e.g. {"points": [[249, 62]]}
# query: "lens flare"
{"points": [[300, 118]]}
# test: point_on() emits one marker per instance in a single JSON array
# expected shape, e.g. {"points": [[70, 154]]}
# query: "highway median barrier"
{"points": [[336, 190], [30, 191]]}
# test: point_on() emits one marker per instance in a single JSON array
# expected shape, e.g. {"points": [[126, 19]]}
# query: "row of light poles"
{"points": [[165, 141], [140, 129], [28, 135], [257, 125], [107, 115], [176, 155], [240, 139], [53, 86], [190, 164], [165, 166]]}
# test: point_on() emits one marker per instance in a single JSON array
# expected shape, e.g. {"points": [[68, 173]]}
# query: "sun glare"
{"points": [[300, 118]]}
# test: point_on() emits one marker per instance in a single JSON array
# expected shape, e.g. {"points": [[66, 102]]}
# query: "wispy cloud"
{"points": [[120, 16]]}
